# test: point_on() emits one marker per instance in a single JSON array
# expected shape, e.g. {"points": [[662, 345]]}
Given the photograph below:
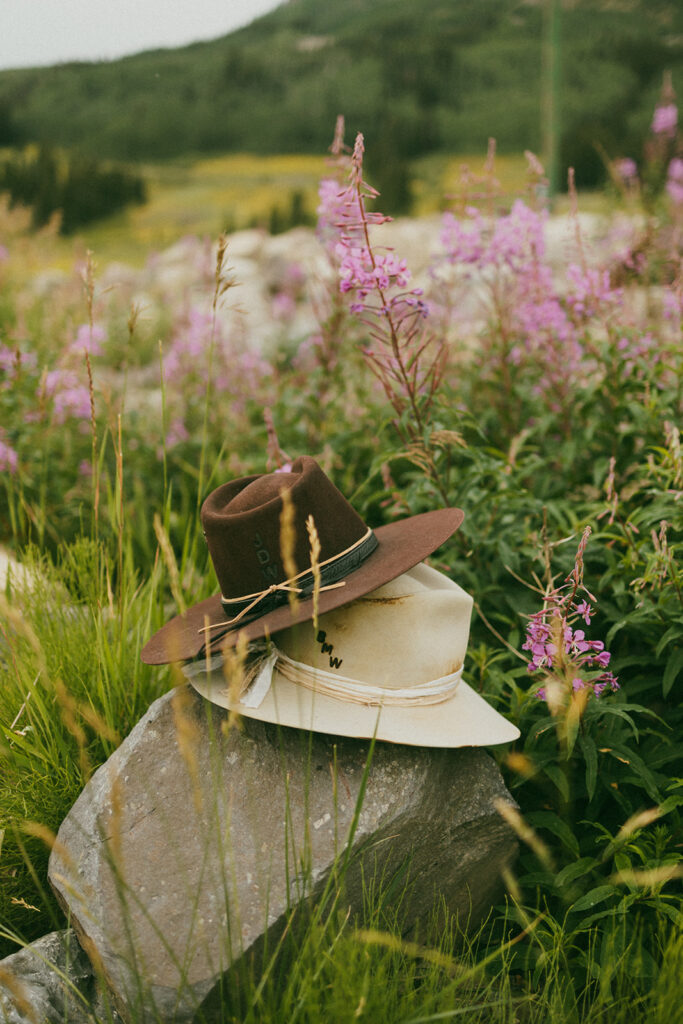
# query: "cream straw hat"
{"points": [[389, 665]]}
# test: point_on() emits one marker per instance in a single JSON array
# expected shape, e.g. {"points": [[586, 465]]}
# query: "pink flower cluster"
{"points": [[510, 242], [70, 398], [585, 655], [362, 272], [626, 169], [560, 650], [590, 292], [13, 360], [88, 339], [674, 181], [665, 119], [542, 327], [202, 350], [640, 353], [509, 254], [405, 356], [9, 460], [335, 215]]}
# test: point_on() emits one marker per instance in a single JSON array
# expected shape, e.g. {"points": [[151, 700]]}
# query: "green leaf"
{"points": [[670, 803], [543, 727], [553, 823], [673, 913], [613, 709], [573, 871], [592, 898], [641, 771], [673, 633], [673, 667], [559, 778], [586, 923]]}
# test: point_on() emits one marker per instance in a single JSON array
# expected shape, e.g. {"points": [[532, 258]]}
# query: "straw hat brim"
{"points": [[464, 720], [401, 545]]}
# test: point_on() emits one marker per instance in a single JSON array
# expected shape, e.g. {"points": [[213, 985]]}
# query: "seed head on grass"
{"points": [[69, 712], [164, 542], [287, 546], [525, 832], [223, 281], [88, 278], [93, 432], [314, 542], [49, 838], [277, 459], [187, 737], [10, 984], [234, 664]]}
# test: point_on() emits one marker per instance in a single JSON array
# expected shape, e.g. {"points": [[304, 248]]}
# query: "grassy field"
{"points": [[205, 197], [208, 196]]}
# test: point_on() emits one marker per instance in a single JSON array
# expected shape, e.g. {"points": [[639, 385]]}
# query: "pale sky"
{"points": [[39, 32]]}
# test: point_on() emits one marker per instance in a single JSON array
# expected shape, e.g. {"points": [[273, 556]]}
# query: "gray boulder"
{"points": [[49, 982], [197, 838]]}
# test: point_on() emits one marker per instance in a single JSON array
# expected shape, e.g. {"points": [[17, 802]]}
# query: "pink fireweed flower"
{"points": [[585, 611], [88, 340], [626, 169], [70, 398], [72, 403], [9, 460], [176, 433], [8, 358], [507, 256], [204, 350], [463, 241], [674, 181], [672, 305], [559, 650], [13, 361], [405, 357], [335, 214], [590, 292], [640, 353], [665, 120], [362, 271], [511, 242], [283, 306]]}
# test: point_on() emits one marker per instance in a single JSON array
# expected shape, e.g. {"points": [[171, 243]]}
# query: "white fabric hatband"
{"points": [[326, 684]]}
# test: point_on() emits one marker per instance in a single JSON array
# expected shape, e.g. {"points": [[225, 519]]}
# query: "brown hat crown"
{"points": [[242, 525]]}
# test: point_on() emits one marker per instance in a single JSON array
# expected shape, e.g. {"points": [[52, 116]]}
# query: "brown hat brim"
{"points": [[401, 545]]}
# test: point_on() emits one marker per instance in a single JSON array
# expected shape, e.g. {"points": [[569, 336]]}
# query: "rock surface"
{"points": [[37, 984], [194, 840]]}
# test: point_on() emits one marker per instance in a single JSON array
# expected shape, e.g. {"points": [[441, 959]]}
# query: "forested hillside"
{"points": [[415, 75]]}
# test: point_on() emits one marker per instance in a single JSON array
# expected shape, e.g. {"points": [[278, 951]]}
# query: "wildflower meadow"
{"points": [[537, 386]]}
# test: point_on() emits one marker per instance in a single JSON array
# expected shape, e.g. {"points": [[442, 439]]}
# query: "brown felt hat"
{"points": [[242, 524]]}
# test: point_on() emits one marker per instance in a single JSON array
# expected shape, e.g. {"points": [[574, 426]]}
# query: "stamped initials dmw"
{"points": [[327, 649]]}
